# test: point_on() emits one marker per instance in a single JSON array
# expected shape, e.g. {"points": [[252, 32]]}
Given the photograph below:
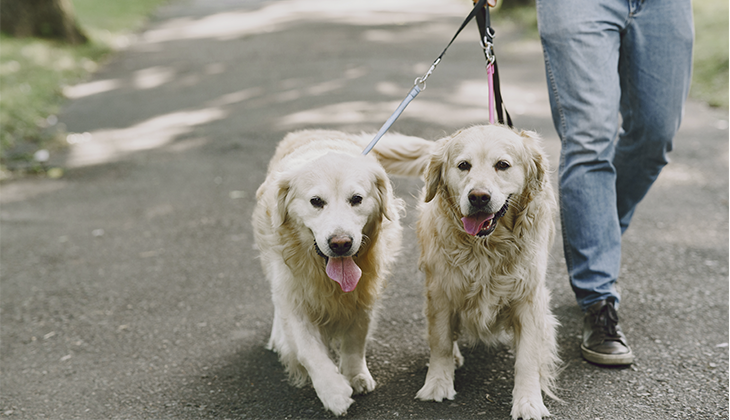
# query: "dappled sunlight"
{"points": [[414, 34], [446, 114], [294, 89], [28, 188], [342, 113], [272, 17], [376, 113], [236, 97], [676, 174], [389, 89], [466, 105], [391, 22], [148, 78], [521, 100], [518, 99], [91, 88], [102, 146], [153, 77]]}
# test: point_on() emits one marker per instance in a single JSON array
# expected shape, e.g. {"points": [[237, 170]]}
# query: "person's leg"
{"points": [[655, 70], [581, 46]]}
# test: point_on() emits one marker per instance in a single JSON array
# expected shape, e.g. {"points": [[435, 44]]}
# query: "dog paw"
{"points": [[437, 390], [362, 383], [335, 395], [529, 409], [338, 402]]}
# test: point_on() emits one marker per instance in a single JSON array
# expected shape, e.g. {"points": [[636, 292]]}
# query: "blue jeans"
{"points": [[618, 74]]}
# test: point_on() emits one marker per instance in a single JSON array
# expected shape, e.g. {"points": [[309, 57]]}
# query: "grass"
{"points": [[710, 77], [34, 71]]}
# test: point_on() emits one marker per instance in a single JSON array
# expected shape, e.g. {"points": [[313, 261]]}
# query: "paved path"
{"points": [[130, 287]]}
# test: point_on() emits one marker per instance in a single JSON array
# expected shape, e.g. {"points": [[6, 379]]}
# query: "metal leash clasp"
{"points": [[421, 81], [488, 46]]}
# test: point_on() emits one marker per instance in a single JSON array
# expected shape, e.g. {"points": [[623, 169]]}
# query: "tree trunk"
{"points": [[42, 18]]}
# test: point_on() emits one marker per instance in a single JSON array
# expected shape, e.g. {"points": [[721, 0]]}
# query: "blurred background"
{"points": [[49, 46]]}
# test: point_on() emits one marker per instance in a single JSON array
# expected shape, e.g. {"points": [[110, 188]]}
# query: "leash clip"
{"points": [[488, 45], [421, 81]]}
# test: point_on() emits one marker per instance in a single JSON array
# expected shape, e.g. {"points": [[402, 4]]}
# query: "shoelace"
{"points": [[608, 319]]}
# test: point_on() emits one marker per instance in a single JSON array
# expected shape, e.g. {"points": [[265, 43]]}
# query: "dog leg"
{"points": [[332, 388], [352, 355], [275, 338], [458, 358], [534, 328], [440, 377], [281, 344], [455, 327]]}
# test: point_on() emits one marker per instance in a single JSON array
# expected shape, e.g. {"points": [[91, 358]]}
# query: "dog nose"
{"points": [[479, 198], [340, 244]]}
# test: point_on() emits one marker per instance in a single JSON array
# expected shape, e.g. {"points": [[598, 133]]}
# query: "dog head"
{"points": [[338, 200], [480, 170]]}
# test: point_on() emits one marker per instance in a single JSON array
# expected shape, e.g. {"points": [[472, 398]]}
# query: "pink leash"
{"points": [[490, 82]]}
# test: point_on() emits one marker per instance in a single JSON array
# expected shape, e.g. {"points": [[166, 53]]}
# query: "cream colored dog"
{"points": [[327, 227], [485, 230]]}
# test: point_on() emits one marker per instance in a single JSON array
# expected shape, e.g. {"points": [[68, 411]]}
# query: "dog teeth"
{"points": [[487, 225]]}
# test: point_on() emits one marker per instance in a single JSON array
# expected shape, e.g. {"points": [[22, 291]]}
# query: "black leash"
{"points": [[481, 12], [486, 37]]}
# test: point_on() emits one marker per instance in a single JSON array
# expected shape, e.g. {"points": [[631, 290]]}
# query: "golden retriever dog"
{"points": [[327, 228], [484, 230]]}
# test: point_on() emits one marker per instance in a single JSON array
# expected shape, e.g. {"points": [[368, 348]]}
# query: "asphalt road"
{"points": [[130, 288]]}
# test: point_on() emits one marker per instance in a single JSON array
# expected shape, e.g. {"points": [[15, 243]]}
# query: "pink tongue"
{"points": [[345, 272], [473, 224]]}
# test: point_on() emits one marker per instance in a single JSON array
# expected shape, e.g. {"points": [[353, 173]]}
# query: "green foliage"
{"points": [[710, 78], [114, 16], [33, 73]]}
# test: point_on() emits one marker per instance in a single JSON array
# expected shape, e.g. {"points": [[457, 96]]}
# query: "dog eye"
{"points": [[355, 200], [502, 165], [464, 166], [317, 202]]}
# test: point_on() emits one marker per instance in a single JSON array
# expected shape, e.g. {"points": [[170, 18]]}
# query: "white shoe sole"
{"points": [[608, 359]]}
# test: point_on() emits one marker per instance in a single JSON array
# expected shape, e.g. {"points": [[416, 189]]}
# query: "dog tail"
{"points": [[400, 154]]}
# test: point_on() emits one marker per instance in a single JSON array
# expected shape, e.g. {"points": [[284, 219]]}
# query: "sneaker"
{"points": [[603, 341]]}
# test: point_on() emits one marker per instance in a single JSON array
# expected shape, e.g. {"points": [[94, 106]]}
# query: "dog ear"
{"points": [[536, 162], [537, 200], [278, 217], [434, 170], [384, 194]]}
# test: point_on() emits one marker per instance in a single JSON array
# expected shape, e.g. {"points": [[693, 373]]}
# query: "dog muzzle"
{"points": [[343, 270], [482, 223]]}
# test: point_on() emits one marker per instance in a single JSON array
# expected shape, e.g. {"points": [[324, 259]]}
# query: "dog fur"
{"points": [[319, 194], [491, 287]]}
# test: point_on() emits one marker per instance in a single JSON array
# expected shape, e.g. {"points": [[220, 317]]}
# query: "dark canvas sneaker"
{"points": [[603, 341]]}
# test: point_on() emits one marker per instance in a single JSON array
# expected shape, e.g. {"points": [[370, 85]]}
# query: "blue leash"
{"points": [[420, 83], [411, 96]]}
